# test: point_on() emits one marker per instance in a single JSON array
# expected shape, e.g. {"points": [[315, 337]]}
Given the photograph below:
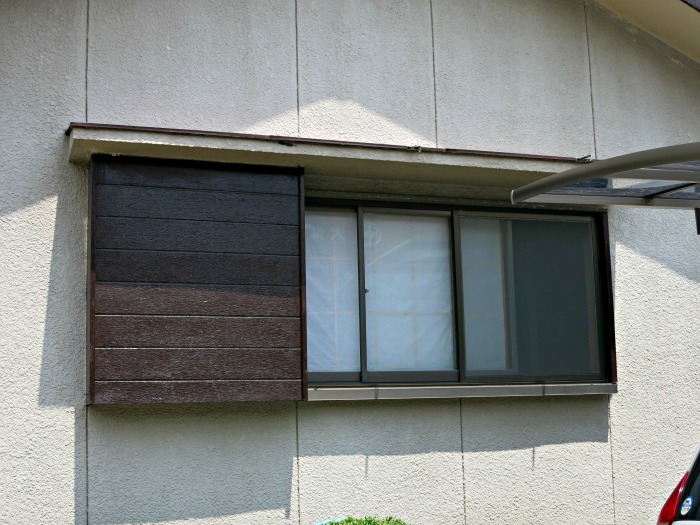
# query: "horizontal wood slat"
{"points": [[205, 268], [195, 391], [198, 178], [197, 293], [199, 236], [197, 363], [135, 201], [196, 332], [196, 299]]}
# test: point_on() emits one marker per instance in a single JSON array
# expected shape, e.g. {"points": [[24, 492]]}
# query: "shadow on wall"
{"points": [[674, 243], [425, 426], [142, 73], [161, 463], [492, 425], [64, 348], [62, 372]]}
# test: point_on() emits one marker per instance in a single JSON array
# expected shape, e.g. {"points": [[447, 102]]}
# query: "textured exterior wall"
{"points": [[232, 464], [559, 77], [513, 76], [401, 458], [356, 79], [646, 96], [537, 460], [216, 65], [43, 210]]}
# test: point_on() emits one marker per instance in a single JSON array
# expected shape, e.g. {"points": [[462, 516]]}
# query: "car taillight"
{"points": [[668, 511]]}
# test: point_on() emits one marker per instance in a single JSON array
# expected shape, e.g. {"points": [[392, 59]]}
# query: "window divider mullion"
{"points": [[592, 304], [362, 292], [458, 286], [509, 311]]}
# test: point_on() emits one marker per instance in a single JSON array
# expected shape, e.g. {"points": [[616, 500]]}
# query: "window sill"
{"points": [[456, 391]]}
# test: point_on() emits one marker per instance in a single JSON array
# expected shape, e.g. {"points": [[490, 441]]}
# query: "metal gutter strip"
{"points": [[291, 141], [321, 159], [456, 391]]}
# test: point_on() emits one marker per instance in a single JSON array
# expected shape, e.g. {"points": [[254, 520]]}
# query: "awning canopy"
{"points": [[665, 177]]}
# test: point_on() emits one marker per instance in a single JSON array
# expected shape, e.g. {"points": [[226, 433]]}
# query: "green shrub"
{"points": [[370, 520]]}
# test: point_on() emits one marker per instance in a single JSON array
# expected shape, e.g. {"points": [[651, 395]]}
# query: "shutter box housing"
{"points": [[196, 282]]}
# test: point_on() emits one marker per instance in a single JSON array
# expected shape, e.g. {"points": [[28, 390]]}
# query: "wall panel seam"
{"points": [[590, 78], [90, 282], [298, 458], [464, 475], [612, 462], [296, 49], [432, 37]]}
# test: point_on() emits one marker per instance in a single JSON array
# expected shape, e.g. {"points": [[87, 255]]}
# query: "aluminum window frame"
{"points": [[600, 267], [383, 377]]}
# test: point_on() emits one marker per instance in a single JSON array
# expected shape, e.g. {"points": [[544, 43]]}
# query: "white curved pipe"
{"points": [[609, 167]]}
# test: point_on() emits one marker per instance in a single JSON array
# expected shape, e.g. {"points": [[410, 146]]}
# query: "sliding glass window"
{"points": [[530, 298], [408, 296], [431, 296], [332, 303]]}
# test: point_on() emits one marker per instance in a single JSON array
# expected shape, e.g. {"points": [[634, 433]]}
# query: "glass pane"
{"points": [[643, 187], [618, 187], [692, 166], [409, 293], [555, 298], [483, 289], [332, 304], [691, 193]]}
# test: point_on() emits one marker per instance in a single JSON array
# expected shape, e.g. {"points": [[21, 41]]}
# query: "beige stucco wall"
{"points": [[42, 265], [645, 96], [554, 77]]}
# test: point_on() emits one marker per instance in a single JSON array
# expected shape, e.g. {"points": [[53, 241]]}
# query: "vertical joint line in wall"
{"points": [[432, 36], [590, 77], [87, 50], [87, 408], [87, 466], [296, 412], [464, 476], [612, 462], [296, 40]]}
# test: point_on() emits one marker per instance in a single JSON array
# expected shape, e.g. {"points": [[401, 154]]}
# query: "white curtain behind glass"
{"points": [[409, 293], [332, 305]]}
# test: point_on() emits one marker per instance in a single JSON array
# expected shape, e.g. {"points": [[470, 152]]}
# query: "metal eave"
{"points": [[331, 159]]}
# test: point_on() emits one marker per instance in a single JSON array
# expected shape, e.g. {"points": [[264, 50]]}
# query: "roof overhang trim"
{"points": [[490, 169]]}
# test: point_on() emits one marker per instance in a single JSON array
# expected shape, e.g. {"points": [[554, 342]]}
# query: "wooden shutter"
{"points": [[196, 283]]}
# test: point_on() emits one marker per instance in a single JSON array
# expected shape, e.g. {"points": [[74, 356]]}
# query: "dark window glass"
{"points": [[520, 294], [555, 299]]}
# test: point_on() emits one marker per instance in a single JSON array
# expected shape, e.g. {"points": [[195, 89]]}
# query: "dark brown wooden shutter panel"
{"points": [[196, 283]]}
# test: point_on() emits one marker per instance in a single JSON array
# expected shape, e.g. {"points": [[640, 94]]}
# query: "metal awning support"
{"points": [[664, 177]]}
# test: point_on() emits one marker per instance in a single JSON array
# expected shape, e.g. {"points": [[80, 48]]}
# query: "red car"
{"points": [[682, 505]]}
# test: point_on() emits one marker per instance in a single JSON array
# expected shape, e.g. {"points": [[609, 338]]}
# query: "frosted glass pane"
{"points": [[409, 293], [482, 277], [332, 304]]}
